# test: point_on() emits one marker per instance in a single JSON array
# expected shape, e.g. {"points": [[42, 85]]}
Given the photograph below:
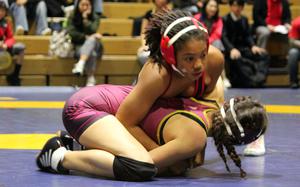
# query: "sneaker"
{"points": [[46, 32], [12, 80], [256, 148], [68, 141], [91, 81], [78, 69], [294, 85], [226, 83], [50, 157], [19, 30]]}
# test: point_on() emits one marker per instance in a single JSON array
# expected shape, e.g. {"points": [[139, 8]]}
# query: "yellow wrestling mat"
{"points": [[23, 141]]}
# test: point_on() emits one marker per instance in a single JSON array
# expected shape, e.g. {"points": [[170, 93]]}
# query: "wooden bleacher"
{"points": [[119, 64]]}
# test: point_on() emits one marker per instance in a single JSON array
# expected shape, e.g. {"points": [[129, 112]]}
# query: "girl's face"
{"points": [[191, 59], [84, 5], [2, 13], [211, 8]]}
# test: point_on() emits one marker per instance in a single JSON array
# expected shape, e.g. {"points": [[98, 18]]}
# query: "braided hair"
{"points": [[159, 23], [253, 118]]}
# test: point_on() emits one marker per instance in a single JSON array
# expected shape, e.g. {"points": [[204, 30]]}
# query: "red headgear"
{"points": [[166, 43]]}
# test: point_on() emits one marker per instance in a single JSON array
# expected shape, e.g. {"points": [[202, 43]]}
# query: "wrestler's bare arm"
{"points": [[136, 105]]}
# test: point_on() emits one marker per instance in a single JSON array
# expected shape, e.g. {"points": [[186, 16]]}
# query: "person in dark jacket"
{"points": [[239, 45]]}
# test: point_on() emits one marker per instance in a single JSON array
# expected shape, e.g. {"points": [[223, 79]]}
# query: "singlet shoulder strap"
{"points": [[199, 86]]}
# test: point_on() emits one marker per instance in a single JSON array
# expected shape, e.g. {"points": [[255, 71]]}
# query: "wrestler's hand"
{"points": [[196, 161], [179, 168]]}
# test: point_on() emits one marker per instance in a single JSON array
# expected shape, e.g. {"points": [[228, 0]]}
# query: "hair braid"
{"points": [[236, 159], [218, 135]]}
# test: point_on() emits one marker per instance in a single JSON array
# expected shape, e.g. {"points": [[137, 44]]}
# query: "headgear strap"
{"points": [[183, 31], [231, 102], [234, 116], [226, 124]]}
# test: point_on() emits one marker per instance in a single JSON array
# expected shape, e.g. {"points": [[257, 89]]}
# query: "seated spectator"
{"points": [[7, 43], [246, 63], [143, 52], [36, 10], [267, 14], [82, 26], [209, 17], [294, 53]]}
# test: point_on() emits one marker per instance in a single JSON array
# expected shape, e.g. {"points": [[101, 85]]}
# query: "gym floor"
{"points": [[30, 115]]}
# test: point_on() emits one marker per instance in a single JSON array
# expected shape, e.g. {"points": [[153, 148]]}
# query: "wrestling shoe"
{"points": [[50, 157], [68, 141], [256, 148]]}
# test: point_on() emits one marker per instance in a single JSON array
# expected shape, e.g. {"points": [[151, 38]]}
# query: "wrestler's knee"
{"points": [[128, 169]]}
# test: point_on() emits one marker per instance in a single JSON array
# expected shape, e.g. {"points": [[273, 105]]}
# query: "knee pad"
{"points": [[127, 169]]}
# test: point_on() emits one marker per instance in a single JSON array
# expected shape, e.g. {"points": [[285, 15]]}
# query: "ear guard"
{"points": [[166, 44], [167, 51]]}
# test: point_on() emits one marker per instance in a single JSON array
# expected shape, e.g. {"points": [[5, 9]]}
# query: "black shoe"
{"points": [[12, 80], [294, 85], [68, 141], [44, 158]]}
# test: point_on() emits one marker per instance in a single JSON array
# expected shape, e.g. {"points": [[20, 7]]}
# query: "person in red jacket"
{"points": [[294, 53], [8, 43]]}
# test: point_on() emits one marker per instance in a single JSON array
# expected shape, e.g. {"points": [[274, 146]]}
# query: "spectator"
{"points": [[7, 43], [143, 52], [82, 26], [267, 14], [209, 17], [246, 63], [294, 53]]}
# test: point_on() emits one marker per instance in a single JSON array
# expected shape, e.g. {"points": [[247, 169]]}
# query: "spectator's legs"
{"points": [[90, 51], [293, 58], [20, 18], [18, 56], [41, 19], [98, 7], [263, 34]]}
